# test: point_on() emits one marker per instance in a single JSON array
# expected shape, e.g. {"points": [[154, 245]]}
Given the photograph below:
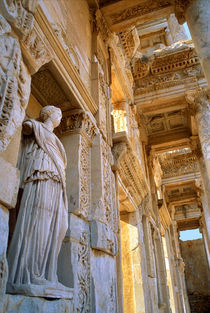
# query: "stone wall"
{"points": [[196, 274]]}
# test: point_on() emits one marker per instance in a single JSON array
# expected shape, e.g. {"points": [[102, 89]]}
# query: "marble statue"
{"points": [[43, 217]]}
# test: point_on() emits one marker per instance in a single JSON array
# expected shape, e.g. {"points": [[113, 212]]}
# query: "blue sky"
{"points": [[187, 30], [190, 234]]}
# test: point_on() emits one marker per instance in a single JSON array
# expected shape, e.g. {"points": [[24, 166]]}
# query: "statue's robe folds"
{"points": [[43, 217]]}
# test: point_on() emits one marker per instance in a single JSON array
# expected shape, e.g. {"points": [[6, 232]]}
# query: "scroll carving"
{"points": [[107, 162], [82, 304], [84, 180]]}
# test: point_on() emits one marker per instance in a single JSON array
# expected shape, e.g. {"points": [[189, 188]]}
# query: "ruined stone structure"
{"points": [[134, 94]]}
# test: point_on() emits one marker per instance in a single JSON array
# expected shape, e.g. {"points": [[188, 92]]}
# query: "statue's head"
{"points": [[51, 112]]}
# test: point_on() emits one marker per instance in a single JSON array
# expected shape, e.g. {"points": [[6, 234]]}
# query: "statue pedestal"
{"points": [[48, 290]]}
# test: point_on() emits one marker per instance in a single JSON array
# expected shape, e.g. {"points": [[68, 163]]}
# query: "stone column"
{"points": [[180, 271], [204, 231], [197, 15], [174, 278], [164, 305], [119, 255], [199, 104]]}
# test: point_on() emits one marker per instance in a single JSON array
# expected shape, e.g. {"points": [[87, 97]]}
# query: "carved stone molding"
{"points": [[102, 26], [130, 41], [130, 170], [118, 150], [79, 121], [67, 45]]}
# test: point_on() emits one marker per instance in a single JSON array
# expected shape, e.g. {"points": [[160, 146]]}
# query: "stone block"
{"points": [[23, 304], [9, 182], [103, 238], [77, 226]]}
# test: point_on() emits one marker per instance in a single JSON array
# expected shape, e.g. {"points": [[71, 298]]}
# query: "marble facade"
{"points": [[134, 96]]}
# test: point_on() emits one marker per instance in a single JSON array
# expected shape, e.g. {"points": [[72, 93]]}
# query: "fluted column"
{"points": [[197, 15]]}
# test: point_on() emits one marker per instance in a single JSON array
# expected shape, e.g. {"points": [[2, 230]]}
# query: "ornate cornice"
{"points": [[170, 67]]}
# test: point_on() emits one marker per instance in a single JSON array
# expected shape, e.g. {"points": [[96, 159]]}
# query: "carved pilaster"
{"points": [[79, 129]]}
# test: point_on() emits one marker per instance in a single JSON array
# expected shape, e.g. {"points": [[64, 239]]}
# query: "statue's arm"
{"points": [[27, 128]]}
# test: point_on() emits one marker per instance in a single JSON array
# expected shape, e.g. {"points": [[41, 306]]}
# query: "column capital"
{"points": [[78, 121], [195, 146], [180, 7], [198, 100]]}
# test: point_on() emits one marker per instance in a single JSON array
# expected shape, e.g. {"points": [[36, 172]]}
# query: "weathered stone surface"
{"points": [[4, 231], [9, 182], [23, 304], [103, 238]]}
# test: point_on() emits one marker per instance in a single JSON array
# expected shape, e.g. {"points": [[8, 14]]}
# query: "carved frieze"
{"points": [[35, 48], [139, 10], [20, 18], [14, 85], [179, 165]]}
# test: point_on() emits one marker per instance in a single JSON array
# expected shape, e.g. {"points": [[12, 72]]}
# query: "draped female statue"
{"points": [[42, 220]]}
